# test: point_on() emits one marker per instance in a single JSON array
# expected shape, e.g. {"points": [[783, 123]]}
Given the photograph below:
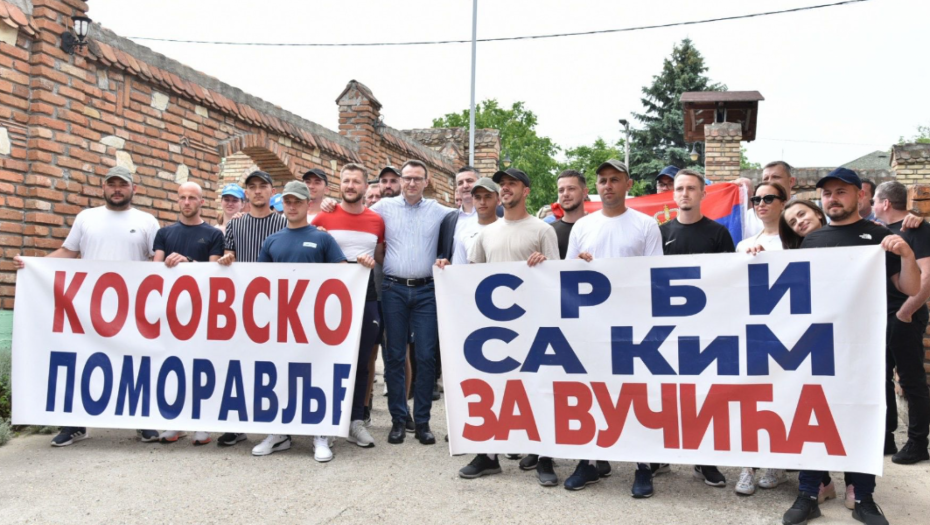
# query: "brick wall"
{"points": [[722, 151], [453, 142]]}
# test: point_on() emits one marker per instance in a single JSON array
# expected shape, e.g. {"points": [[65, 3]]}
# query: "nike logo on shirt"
{"points": [[670, 242]]}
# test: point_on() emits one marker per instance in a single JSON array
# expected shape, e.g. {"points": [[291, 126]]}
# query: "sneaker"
{"points": [[804, 508], [513, 457], [529, 462], [746, 485], [366, 418], [321, 450], [710, 475], [773, 477], [201, 438], [642, 483], [826, 492], [850, 500], [170, 436], [359, 435], [911, 453], [69, 435], [868, 512], [545, 473], [271, 444], [482, 465], [229, 439], [603, 469], [890, 447], [584, 475], [659, 468], [147, 436]]}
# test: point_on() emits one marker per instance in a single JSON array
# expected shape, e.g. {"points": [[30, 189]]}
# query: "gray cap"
{"points": [[486, 183], [297, 189], [615, 164], [121, 172]]}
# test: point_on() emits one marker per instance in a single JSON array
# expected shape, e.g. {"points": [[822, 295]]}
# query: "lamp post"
{"points": [[626, 142], [70, 42], [506, 162], [471, 113], [694, 153]]}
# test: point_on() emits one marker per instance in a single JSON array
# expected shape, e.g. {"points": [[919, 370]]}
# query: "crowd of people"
{"points": [[389, 225]]}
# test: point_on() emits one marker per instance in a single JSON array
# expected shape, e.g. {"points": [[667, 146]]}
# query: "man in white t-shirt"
{"points": [[113, 232], [614, 231], [485, 196]]}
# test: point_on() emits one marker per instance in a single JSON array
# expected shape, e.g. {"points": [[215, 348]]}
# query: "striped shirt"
{"points": [[246, 234], [411, 235]]}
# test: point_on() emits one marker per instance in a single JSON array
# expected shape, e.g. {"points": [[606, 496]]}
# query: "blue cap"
{"points": [[277, 202], [668, 171], [234, 190], [844, 174]]}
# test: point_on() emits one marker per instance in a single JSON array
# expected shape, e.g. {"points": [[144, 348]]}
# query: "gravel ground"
{"points": [[112, 478]]}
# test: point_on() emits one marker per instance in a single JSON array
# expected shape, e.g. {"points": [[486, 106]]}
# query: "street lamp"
{"points": [[506, 161], [626, 143], [694, 153], [379, 125], [71, 42]]}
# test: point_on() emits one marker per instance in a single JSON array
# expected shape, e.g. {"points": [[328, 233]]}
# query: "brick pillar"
{"points": [[721, 151], [358, 112], [487, 151]]}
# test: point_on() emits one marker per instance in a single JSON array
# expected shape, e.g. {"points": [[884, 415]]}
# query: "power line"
{"points": [[825, 142], [505, 39]]}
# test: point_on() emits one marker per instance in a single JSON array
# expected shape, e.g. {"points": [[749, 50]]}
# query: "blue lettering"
{"points": [[56, 361], [92, 406], [572, 301], [265, 391], [562, 353], [623, 350], [796, 278], [340, 375], [173, 410], [663, 291], [724, 349], [202, 390], [136, 390], [817, 342], [230, 402], [310, 394], [486, 305], [474, 353]]}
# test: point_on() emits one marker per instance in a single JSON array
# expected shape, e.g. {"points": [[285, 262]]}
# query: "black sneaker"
{"points": [[69, 435], [642, 484], [805, 508], [482, 465], [148, 436], [911, 453], [710, 475], [229, 439], [868, 512], [890, 447], [513, 457], [603, 469], [659, 468], [529, 462], [584, 475], [545, 473]]}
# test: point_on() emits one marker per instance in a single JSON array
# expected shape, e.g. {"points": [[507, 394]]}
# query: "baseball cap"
{"points": [[277, 202], [844, 174], [297, 189], [388, 169], [260, 174], [120, 172], [615, 164], [316, 172], [668, 171], [514, 173], [486, 183], [234, 190]]}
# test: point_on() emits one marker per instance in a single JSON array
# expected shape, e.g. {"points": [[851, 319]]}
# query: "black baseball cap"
{"points": [[316, 172], [844, 174], [513, 173], [388, 169], [260, 174], [615, 164]]}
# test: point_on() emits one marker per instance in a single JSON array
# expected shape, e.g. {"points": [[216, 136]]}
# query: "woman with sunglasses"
{"points": [[768, 203]]}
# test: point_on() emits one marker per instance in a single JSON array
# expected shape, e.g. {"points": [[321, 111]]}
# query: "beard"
{"points": [[190, 213], [387, 192], [569, 209], [841, 214], [345, 198], [118, 202], [686, 207]]}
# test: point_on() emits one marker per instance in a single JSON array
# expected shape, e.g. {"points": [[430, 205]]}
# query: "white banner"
{"points": [[771, 361], [263, 348]]}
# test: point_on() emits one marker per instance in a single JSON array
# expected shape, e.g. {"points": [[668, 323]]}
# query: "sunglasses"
{"points": [[768, 199]]}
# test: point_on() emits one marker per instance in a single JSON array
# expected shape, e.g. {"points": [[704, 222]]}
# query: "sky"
{"points": [[838, 82]]}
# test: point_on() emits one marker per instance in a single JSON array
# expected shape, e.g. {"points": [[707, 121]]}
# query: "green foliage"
{"points": [[744, 163], [661, 142], [5, 388], [6, 433], [922, 136], [528, 151], [586, 159]]}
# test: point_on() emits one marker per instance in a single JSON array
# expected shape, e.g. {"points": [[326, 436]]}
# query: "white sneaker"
{"points": [[272, 443], [359, 435], [746, 484], [201, 438], [321, 450], [772, 477], [170, 436], [385, 388]]}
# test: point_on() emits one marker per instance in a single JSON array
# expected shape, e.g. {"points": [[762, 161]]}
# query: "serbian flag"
{"points": [[722, 204]]}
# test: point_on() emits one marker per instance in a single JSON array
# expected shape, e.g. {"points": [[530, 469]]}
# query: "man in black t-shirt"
{"points": [[840, 192], [691, 232], [907, 323], [573, 191]]}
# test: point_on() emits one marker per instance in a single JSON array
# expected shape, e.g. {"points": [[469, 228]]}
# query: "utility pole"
{"points": [[471, 113], [626, 142]]}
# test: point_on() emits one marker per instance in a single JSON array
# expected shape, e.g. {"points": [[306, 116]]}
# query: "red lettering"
{"points": [[753, 420], [665, 419], [565, 413], [64, 302], [337, 336], [615, 414], [259, 286], [188, 284], [152, 283], [515, 398], [813, 401], [694, 424], [222, 309], [287, 310], [482, 408], [106, 282]]}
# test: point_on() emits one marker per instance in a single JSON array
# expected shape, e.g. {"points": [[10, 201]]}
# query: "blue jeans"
{"points": [[410, 309], [809, 483]]}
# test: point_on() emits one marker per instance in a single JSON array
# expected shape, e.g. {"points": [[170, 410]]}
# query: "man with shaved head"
{"points": [[188, 240]]}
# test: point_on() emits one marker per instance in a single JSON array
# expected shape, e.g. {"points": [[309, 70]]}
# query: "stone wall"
{"points": [[453, 142], [722, 151]]}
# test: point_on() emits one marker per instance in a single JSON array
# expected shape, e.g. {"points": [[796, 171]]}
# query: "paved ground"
{"points": [[112, 478]]}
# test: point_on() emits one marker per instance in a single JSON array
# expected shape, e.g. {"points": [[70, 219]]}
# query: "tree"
{"points": [[922, 136], [661, 142], [528, 151], [586, 159], [744, 163]]}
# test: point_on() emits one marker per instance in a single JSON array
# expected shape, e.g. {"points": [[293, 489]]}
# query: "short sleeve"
{"points": [[265, 254], [152, 230], [550, 244], [574, 242], [159, 243], [217, 245], [379, 227], [477, 253], [725, 241], [73, 241], [229, 242], [333, 251], [653, 239], [892, 264]]}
